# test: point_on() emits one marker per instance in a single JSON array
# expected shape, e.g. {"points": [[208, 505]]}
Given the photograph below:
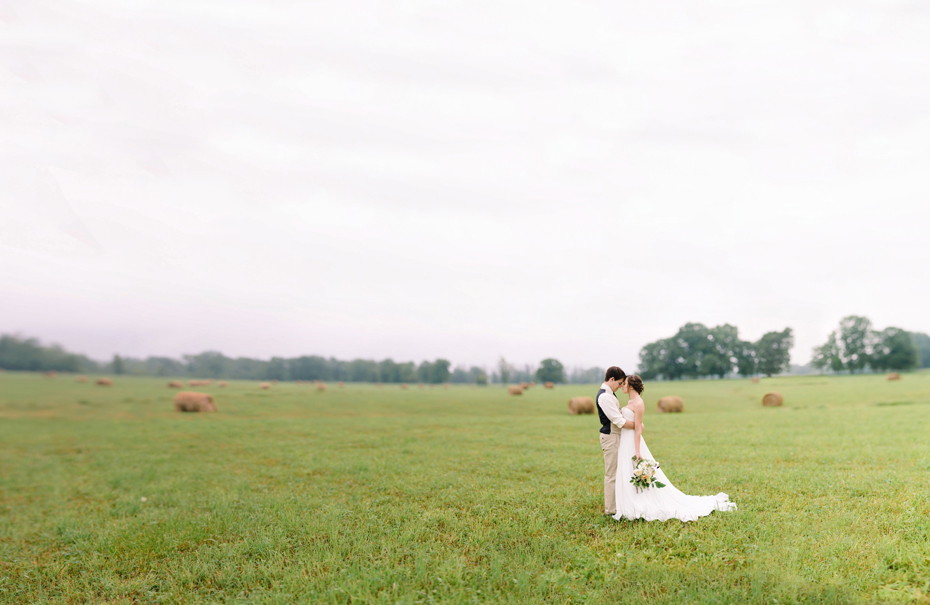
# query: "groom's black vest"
{"points": [[605, 421]]}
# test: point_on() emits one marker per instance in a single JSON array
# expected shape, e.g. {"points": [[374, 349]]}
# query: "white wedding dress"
{"points": [[656, 503]]}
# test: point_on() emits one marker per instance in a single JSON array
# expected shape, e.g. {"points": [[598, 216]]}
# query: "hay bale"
{"points": [[190, 401], [81, 379], [104, 382], [772, 400], [175, 384], [755, 380], [515, 390], [194, 383], [421, 385], [51, 374], [894, 376], [525, 385], [403, 386], [274, 382], [549, 385], [341, 384], [671, 404], [445, 386], [264, 385], [581, 405], [321, 386], [221, 383]]}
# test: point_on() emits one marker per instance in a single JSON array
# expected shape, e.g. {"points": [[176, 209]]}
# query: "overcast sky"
{"points": [[463, 180]]}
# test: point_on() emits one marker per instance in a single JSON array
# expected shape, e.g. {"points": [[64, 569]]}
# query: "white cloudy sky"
{"points": [[420, 179]]}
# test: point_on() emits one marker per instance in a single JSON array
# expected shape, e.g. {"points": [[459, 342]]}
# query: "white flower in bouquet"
{"points": [[644, 474]]}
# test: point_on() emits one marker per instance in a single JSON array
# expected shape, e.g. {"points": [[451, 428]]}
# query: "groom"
{"points": [[608, 409]]}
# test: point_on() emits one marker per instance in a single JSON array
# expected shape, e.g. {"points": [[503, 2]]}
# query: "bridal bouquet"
{"points": [[644, 474]]}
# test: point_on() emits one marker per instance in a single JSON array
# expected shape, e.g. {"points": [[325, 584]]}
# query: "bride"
{"points": [[653, 503]]}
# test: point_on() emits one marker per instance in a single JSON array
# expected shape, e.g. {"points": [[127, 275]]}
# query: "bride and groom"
{"points": [[621, 441]]}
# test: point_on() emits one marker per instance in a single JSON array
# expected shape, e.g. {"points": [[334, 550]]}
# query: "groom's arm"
{"points": [[612, 411]]}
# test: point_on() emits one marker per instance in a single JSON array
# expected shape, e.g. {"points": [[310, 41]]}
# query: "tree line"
{"points": [[28, 354], [694, 351], [697, 351], [855, 346]]}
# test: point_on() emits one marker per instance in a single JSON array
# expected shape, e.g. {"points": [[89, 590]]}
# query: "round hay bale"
{"points": [[515, 390], [274, 382], [264, 385], [421, 385], [81, 379], [403, 387], [104, 382], [772, 400], [341, 384], [445, 386], [525, 385], [175, 384], [549, 385], [51, 374], [755, 380], [221, 383], [321, 387], [581, 405], [894, 376], [671, 404], [191, 401]]}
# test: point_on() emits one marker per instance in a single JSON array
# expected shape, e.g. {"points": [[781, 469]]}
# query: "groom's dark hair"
{"points": [[614, 372]]}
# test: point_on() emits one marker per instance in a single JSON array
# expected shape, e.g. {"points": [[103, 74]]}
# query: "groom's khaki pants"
{"points": [[609, 445]]}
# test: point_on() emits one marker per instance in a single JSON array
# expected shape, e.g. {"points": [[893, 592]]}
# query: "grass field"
{"points": [[465, 495]]}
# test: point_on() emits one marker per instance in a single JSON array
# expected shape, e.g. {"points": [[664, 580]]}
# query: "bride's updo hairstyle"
{"points": [[636, 383]]}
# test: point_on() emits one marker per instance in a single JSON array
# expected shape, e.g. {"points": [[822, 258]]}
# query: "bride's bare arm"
{"points": [[638, 414]]}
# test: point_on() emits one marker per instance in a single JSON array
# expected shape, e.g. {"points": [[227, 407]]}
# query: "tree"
{"points": [[550, 370], [828, 355], [772, 352], [849, 347], [276, 369], [407, 372], [118, 365], [923, 343], [425, 372], [586, 375], [719, 355], [895, 349], [440, 371], [697, 350], [212, 364], [28, 354], [388, 371], [504, 369], [460, 375]]}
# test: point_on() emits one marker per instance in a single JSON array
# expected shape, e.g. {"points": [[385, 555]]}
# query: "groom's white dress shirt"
{"points": [[611, 408]]}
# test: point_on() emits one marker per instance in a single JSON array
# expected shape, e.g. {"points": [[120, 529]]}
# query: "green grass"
{"points": [[465, 495]]}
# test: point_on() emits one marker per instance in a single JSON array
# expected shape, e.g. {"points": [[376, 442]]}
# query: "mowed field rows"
{"points": [[461, 495]]}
